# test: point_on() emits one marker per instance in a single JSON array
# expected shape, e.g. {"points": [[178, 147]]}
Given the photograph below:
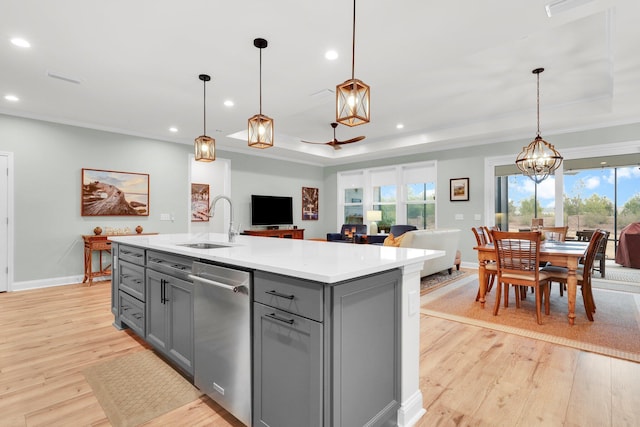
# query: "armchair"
{"points": [[346, 231]]}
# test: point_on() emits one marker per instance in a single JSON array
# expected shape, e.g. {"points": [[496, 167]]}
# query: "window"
{"points": [[353, 206], [421, 205], [519, 200], [406, 194]]}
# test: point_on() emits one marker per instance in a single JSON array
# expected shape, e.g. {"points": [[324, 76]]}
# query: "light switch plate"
{"points": [[477, 217], [165, 217], [459, 217]]}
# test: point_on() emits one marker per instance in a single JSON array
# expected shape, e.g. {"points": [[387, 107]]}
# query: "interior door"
{"points": [[4, 223]]}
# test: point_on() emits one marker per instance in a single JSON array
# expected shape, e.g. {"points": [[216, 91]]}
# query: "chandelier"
{"points": [[539, 159]]}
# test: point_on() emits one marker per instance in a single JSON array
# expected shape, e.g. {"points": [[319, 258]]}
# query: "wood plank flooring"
{"points": [[469, 375]]}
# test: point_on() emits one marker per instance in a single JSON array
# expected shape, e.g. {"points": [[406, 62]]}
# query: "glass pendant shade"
{"points": [[352, 103], [538, 160], [205, 149], [260, 131]]}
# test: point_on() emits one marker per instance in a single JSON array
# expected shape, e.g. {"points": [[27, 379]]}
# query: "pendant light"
{"points": [[260, 126], [539, 159], [352, 96], [205, 146]]}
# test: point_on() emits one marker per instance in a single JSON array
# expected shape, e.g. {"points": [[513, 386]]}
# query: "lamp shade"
{"points": [[352, 103], [260, 131], [374, 215], [205, 148]]}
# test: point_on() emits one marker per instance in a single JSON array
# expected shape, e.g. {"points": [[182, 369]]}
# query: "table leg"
{"points": [[87, 264], [572, 286], [482, 283]]}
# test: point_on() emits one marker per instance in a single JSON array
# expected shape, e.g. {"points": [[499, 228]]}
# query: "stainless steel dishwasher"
{"points": [[222, 326]]}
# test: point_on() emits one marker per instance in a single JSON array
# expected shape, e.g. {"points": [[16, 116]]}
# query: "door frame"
{"points": [[10, 216]]}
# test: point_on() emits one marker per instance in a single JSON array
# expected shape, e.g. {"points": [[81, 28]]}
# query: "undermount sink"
{"points": [[203, 245]]}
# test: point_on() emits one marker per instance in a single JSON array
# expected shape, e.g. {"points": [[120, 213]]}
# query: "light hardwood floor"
{"points": [[469, 375]]}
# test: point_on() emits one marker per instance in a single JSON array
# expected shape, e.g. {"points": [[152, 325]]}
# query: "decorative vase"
{"points": [[139, 229], [97, 231]]}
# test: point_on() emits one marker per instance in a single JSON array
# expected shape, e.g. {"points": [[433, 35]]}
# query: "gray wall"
{"points": [[49, 158], [469, 162]]}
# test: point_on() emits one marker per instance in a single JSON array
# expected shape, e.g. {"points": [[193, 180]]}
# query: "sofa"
{"points": [[446, 240], [348, 232]]}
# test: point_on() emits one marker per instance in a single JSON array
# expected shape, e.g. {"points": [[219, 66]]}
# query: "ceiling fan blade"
{"points": [[313, 142], [349, 141]]}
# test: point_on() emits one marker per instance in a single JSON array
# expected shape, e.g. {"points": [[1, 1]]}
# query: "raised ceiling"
{"points": [[455, 73]]}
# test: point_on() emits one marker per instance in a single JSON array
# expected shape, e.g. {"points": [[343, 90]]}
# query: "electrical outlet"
{"points": [[477, 217]]}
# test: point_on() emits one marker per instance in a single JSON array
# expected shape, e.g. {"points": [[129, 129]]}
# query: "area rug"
{"points": [[138, 387], [614, 332], [436, 281]]}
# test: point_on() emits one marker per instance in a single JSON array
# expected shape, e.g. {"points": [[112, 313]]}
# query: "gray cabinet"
{"points": [[326, 354], [169, 317], [128, 289]]}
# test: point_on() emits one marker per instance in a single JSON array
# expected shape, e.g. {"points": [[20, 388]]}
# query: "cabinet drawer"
{"points": [[289, 294], [173, 265], [132, 313], [132, 254], [132, 279]]}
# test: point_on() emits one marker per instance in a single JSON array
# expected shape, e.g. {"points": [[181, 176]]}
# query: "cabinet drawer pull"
{"points": [[278, 294], [279, 319]]}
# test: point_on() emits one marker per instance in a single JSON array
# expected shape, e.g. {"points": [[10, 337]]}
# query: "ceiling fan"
{"points": [[335, 143]]}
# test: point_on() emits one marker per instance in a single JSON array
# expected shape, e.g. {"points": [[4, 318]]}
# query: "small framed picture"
{"points": [[459, 190]]}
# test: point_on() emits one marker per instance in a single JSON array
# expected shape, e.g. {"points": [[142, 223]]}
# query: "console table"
{"points": [[95, 243], [100, 244], [289, 233]]}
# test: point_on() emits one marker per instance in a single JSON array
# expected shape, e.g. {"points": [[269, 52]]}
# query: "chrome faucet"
{"points": [[212, 211]]}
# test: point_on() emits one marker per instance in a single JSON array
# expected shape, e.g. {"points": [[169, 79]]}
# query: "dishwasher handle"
{"points": [[232, 288]]}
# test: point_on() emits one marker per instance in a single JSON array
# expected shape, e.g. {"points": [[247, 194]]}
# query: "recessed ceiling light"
{"points": [[331, 55], [603, 163], [399, 126], [11, 98], [17, 41], [173, 129], [228, 103]]}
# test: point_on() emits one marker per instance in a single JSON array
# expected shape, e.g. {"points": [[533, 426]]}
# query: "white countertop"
{"points": [[327, 262]]}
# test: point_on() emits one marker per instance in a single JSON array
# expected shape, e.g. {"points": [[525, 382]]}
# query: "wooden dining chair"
{"points": [[489, 266], [558, 234], [560, 274], [518, 256]]}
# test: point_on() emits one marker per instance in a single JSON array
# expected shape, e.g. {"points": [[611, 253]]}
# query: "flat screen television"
{"points": [[271, 210]]}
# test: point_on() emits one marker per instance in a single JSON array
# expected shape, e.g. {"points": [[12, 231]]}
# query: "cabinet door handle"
{"points": [[278, 294], [162, 291], [279, 319]]}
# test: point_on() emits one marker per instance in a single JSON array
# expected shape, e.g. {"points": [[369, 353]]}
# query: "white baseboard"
{"points": [[48, 283], [411, 410]]}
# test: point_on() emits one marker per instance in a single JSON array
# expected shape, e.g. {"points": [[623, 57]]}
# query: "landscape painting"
{"points": [[309, 203], [109, 193], [199, 202]]}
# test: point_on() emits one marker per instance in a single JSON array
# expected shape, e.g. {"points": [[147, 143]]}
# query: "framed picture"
{"points": [[110, 193], [459, 189], [199, 202], [309, 203]]}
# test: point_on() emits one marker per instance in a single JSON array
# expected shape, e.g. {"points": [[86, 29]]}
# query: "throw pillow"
{"points": [[393, 241]]}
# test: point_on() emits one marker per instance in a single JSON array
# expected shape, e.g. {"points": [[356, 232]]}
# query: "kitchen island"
{"points": [[340, 321]]}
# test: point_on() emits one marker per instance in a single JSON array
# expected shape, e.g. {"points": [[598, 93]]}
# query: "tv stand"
{"points": [[290, 233]]}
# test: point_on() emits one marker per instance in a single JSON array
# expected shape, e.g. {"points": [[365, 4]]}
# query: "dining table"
{"points": [[562, 254]]}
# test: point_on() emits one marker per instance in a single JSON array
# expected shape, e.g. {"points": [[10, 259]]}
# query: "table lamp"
{"points": [[374, 216]]}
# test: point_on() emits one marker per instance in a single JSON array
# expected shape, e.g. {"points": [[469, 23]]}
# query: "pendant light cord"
{"points": [[204, 115], [353, 43], [538, 102], [260, 84]]}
